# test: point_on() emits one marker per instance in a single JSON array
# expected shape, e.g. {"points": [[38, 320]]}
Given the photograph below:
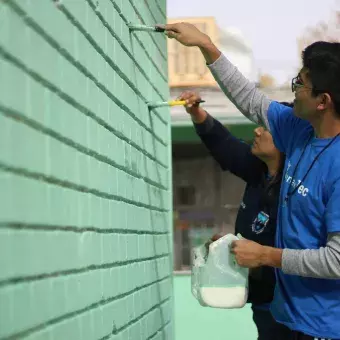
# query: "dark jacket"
{"points": [[256, 218]]}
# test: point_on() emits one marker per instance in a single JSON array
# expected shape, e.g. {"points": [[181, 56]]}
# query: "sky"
{"points": [[272, 27]]}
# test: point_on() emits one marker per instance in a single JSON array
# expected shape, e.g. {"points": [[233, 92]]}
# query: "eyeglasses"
{"points": [[297, 83]]}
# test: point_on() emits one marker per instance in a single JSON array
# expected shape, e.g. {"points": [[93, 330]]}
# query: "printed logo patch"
{"points": [[260, 222]]}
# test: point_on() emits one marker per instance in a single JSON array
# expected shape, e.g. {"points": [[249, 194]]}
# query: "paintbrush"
{"points": [[171, 103], [145, 28]]}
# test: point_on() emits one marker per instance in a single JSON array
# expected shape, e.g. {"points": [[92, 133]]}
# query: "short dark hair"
{"points": [[322, 60]]}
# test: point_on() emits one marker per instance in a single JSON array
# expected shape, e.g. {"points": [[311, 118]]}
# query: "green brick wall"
{"points": [[85, 171]]}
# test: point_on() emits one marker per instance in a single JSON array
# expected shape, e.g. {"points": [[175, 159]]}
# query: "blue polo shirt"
{"points": [[308, 305]]}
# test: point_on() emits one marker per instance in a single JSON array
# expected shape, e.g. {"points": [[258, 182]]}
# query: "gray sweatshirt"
{"points": [[252, 103]]}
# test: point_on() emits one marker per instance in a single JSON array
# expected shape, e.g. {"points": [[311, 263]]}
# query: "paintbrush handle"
{"points": [[170, 103], [182, 102]]}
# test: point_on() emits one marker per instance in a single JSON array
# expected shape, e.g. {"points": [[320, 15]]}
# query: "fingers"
{"points": [[192, 98], [234, 244], [216, 237], [171, 34], [185, 95], [233, 247], [171, 30], [171, 27]]}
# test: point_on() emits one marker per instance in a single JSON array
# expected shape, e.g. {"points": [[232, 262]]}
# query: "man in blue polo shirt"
{"points": [[307, 252]]}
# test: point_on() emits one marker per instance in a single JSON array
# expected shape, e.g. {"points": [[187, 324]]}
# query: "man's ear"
{"points": [[325, 101]]}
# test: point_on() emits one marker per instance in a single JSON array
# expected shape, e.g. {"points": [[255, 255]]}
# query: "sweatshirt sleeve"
{"points": [[231, 153]]}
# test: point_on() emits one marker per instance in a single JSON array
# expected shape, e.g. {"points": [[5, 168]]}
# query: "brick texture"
{"points": [[85, 172]]}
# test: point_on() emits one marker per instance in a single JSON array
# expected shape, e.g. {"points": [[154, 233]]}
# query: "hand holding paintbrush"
{"points": [[192, 100], [170, 103]]}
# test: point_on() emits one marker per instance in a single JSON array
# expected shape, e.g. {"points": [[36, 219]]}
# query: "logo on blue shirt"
{"points": [[302, 190]]}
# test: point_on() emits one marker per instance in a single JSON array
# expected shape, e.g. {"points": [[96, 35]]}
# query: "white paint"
{"points": [[224, 297]]}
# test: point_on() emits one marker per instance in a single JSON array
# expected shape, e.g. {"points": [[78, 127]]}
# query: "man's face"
{"points": [[305, 104]]}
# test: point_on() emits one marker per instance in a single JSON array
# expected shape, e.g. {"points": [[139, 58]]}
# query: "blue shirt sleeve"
{"points": [[332, 213], [282, 123]]}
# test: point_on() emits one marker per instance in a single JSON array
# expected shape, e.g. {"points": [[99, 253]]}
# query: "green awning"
{"points": [[187, 133]]}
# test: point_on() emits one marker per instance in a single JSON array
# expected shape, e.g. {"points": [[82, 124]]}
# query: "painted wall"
{"points": [[85, 172]]}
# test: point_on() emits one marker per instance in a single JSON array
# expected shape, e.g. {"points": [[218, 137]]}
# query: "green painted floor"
{"points": [[194, 322]]}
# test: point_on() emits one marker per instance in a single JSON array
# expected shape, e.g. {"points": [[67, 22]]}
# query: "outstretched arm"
{"points": [[251, 102], [231, 153]]}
